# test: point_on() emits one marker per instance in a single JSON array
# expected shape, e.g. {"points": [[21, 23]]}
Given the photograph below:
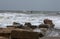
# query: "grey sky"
{"points": [[42, 5]]}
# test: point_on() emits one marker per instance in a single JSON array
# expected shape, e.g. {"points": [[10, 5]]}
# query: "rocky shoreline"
{"points": [[27, 31]]}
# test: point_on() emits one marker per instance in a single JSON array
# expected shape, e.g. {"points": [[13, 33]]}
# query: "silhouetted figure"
{"points": [[31, 11]]}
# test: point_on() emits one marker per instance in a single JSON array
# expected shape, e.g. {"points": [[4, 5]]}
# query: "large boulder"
{"points": [[49, 22], [24, 34]]}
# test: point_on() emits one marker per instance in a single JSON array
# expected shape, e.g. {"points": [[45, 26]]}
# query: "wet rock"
{"points": [[49, 22], [11, 26], [43, 26], [33, 26], [27, 24], [18, 25], [14, 26], [15, 23]]}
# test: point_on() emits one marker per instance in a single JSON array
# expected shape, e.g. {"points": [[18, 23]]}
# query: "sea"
{"points": [[34, 17]]}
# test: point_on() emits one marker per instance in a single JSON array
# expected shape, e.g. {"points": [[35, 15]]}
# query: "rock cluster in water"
{"points": [[48, 24]]}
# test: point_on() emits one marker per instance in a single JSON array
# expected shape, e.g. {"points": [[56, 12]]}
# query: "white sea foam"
{"points": [[53, 34]]}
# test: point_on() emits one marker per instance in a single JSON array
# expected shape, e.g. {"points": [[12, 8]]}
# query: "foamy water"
{"points": [[35, 19]]}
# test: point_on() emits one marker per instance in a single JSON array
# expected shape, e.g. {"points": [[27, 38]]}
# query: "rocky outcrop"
{"points": [[49, 22]]}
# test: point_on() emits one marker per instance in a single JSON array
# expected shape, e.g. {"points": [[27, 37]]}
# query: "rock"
{"points": [[33, 26], [15, 23], [41, 35], [43, 30], [24, 34], [18, 25], [15, 26], [2, 37], [43, 26], [49, 22], [27, 24]]}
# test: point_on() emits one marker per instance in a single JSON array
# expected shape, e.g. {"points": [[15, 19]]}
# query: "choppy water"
{"points": [[8, 18], [35, 19]]}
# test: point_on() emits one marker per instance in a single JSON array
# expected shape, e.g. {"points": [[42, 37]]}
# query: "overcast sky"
{"points": [[42, 5]]}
